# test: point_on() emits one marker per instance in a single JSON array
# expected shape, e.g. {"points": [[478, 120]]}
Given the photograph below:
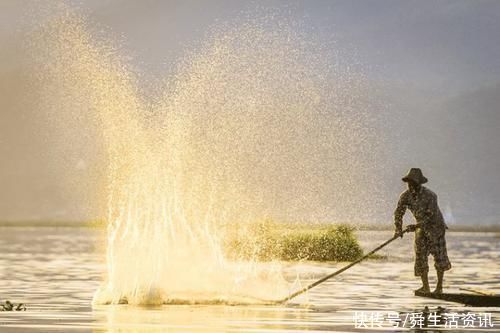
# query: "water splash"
{"points": [[244, 129]]}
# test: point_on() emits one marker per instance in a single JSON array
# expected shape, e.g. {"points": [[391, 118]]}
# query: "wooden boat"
{"points": [[465, 298]]}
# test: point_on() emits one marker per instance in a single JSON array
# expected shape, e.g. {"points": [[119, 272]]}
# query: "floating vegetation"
{"points": [[9, 306], [377, 256], [270, 241]]}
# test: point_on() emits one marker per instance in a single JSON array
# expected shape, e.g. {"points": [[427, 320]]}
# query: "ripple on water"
{"points": [[63, 303]]}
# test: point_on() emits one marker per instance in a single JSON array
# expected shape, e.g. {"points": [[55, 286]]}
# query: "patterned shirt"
{"points": [[424, 207]]}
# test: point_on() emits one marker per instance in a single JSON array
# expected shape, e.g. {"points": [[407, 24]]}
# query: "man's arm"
{"points": [[399, 213]]}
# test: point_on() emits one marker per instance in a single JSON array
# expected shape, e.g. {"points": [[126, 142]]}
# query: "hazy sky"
{"points": [[432, 44], [437, 64]]}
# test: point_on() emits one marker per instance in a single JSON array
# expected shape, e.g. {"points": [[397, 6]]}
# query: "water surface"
{"points": [[56, 271]]}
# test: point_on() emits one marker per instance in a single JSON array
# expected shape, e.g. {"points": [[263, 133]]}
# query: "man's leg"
{"points": [[421, 261], [439, 286], [441, 262], [425, 283]]}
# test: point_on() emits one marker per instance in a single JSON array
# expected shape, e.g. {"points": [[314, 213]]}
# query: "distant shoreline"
{"points": [[61, 224], [362, 227]]}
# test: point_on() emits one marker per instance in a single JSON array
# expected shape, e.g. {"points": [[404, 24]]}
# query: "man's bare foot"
{"points": [[438, 291], [423, 290]]}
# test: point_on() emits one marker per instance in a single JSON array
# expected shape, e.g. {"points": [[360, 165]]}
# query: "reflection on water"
{"points": [[57, 271], [203, 318]]}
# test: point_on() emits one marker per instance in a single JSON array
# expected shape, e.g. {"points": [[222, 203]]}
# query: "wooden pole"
{"points": [[329, 276]]}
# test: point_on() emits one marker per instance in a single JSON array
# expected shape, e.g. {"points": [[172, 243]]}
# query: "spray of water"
{"points": [[245, 129]]}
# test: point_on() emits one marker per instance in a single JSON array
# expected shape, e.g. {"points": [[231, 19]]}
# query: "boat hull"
{"points": [[464, 298]]}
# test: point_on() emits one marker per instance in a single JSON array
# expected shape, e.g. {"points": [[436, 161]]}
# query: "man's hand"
{"points": [[398, 232], [411, 227]]}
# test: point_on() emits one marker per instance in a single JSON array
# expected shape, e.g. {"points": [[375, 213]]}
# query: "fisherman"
{"points": [[429, 230]]}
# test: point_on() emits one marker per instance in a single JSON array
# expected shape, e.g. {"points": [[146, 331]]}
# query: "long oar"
{"points": [[329, 276]]}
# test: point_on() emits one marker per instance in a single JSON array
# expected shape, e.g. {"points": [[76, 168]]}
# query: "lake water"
{"points": [[56, 271]]}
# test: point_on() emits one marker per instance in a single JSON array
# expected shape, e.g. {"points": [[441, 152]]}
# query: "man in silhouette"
{"points": [[429, 230]]}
